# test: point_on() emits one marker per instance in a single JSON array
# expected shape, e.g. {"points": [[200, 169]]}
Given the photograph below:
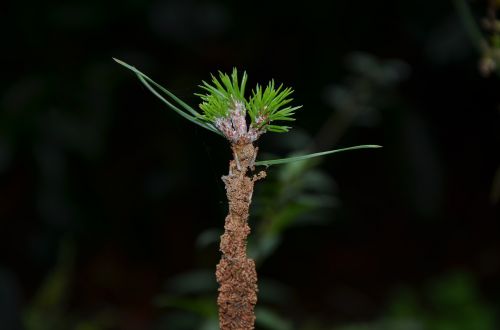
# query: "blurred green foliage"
{"points": [[451, 302], [49, 308]]}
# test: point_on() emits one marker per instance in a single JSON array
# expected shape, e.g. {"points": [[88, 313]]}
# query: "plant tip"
{"points": [[123, 63]]}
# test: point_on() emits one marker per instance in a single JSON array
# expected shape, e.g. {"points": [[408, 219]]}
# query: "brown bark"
{"points": [[235, 272]]}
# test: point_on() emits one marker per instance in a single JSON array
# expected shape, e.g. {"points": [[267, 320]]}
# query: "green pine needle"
{"points": [[221, 95], [318, 154], [188, 112], [268, 105]]}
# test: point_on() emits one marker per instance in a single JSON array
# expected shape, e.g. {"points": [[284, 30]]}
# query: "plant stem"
{"points": [[235, 272]]}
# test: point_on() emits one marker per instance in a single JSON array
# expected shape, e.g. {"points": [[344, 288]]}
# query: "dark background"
{"points": [[104, 191]]}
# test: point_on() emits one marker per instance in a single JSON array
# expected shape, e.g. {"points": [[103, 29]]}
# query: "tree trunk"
{"points": [[235, 272]]}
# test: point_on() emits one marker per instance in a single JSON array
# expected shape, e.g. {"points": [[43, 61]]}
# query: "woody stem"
{"points": [[236, 272]]}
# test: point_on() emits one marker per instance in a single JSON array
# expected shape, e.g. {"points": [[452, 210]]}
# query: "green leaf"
{"points": [[269, 104], [190, 114], [221, 95], [277, 129], [304, 157], [268, 319]]}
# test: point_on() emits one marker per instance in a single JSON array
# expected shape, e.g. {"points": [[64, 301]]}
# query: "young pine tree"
{"points": [[241, 118]]}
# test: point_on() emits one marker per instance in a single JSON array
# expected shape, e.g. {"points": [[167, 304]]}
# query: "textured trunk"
{"points": [[236, 273]]}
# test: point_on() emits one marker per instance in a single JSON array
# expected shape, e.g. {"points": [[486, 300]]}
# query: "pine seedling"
{"points": [[224, 110]]}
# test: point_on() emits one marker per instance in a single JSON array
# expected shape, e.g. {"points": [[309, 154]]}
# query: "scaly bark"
{"points": [[235, 272]]}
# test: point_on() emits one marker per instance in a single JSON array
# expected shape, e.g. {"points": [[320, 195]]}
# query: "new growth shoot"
{"points": [[225, 106]]}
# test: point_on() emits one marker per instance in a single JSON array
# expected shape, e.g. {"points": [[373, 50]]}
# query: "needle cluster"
{"points": [[224, 105]]}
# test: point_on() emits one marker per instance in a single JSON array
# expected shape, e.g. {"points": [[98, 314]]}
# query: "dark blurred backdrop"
{"points": [[110, 204]]}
